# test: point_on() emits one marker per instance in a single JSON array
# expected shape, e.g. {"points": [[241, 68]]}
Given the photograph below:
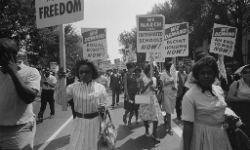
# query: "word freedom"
{"points": [[60, 9]]}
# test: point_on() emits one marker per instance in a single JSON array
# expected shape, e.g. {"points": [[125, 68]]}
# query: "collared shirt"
{"points": [[52, 81], [13, 110]]}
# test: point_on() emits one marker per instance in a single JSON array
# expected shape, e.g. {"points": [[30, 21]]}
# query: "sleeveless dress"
{"points": [[207, 112], [169, 102], [152, 111], [132, 87]]}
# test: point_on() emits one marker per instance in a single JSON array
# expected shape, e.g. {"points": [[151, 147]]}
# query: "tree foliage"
{"points": [[18, 21], [202, 14]]}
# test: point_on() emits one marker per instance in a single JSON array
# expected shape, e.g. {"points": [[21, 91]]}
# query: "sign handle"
{"points": [[63, 65], [151, 65]]}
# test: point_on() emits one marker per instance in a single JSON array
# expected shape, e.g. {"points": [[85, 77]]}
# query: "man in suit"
{"points": [[115, 81], [181, 78]]}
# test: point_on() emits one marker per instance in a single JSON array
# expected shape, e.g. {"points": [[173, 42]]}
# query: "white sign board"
{"points": [[130, 56], [56, 12], [150, 33], [54, 66], [223, 40], [117, 61], [158, 57], [94, 43], [176, 39]]}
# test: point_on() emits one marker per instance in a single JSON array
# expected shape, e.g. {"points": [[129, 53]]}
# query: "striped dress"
{"points": [[87, 98]]}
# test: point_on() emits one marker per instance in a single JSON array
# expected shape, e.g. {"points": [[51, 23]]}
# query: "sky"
{"points": [[114, 15]]}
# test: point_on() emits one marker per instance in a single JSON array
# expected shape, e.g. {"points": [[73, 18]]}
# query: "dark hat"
{"points": [[7, 45]]}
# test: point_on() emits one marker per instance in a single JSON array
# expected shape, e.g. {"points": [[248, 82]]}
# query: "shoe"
{"points": [[129, 125], [155, 138], [52, 116], [170, 132], [124, 119], [112, 105], [136, 122], [179, 118], [117, 104], [40, 120], [147, 134]]}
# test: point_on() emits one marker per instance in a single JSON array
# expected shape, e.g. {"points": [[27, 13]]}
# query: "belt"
{"points": [[87, 116]]}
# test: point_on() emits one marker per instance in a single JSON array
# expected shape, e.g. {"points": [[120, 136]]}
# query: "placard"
{"points": [[223, 40], [130, 56], [150, 33], [176, 40], [94, 43], [117, 61], [158, 56], [55, 12]]}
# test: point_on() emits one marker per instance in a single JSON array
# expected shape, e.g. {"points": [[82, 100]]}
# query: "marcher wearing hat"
{"points": [[18, 89], [239, 98]]}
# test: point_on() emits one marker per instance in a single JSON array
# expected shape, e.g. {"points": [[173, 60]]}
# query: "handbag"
{"points": [[142, 99], [108, 133]]}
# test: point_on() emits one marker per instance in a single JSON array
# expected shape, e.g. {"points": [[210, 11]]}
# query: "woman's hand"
{"points": [[61, 73]]}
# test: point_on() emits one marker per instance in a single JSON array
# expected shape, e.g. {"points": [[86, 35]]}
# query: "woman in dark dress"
{"points": [[130, 89]]}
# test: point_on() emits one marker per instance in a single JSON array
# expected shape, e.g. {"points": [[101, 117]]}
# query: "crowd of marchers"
{"points": [[214, 109]]}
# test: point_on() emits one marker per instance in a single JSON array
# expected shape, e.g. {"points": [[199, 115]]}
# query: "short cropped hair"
{"points": [[206, 61], [91, 65], [146, 69], [130, 65], [167, 66]]}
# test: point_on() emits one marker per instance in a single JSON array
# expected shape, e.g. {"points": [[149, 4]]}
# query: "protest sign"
{"points": [[53, 66], [176, 40], [157, 56], [122, 65], [94, 43], [223, 40], [150, 33], [130, 56], [52, 12], [117, 61]]}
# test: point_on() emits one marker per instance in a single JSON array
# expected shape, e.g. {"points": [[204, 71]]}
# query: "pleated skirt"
{"points": [[85, 134]]}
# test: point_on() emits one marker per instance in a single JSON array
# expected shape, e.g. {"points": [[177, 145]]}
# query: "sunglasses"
{"points": [[245, 72], [85, 72]]}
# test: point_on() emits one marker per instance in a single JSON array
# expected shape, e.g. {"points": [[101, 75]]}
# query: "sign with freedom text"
{"points": [[176, 39], [55, 12], [94, 43], [150, 33], [223, 40]]}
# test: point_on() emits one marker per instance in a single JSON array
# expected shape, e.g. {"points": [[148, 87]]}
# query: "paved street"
{"points": [[54, 134]]}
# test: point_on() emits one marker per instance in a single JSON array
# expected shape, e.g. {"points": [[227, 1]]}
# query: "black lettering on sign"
{"points": [[149, 46], [60, 9]]}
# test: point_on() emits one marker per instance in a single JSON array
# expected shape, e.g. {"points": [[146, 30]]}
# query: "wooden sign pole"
{"points": [[63, 65], [151, 65]]}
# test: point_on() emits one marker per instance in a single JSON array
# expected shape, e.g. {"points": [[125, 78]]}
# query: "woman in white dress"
{"points": [[169, 102], [89, 97], [203, 110], [152, 111]]}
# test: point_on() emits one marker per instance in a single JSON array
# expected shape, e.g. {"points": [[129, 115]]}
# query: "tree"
{"points": [[18, 22]]}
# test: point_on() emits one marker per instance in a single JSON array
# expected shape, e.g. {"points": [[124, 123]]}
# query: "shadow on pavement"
{"points": [[141, 142], [56, 143], [122, 132]]}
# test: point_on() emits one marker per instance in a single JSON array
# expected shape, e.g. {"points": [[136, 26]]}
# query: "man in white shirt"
{"points": [[47, 95], [19, 85]]}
